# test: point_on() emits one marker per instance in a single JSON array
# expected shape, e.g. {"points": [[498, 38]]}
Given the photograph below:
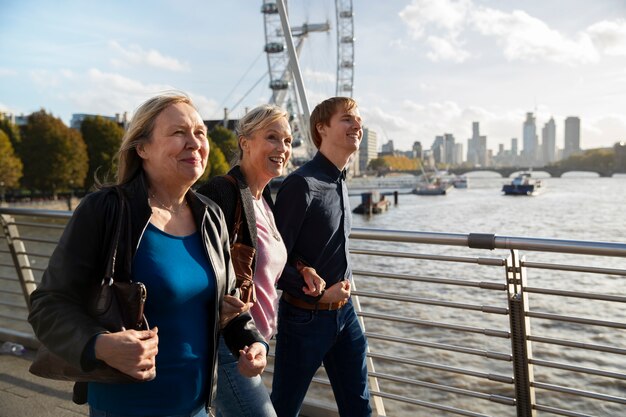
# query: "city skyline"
{"points": [[423, 67]]}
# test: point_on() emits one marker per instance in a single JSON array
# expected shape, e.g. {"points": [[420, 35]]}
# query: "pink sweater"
{"points": [[271, 258]]}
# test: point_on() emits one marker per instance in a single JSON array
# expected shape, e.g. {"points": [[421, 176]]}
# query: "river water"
{"points": [[573, 207]]}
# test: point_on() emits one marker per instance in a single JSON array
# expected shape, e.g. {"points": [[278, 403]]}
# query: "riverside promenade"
{"points": [[25, 395]]}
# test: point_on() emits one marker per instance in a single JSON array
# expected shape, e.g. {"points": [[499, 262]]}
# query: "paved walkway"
{"points": [[25, 395]]}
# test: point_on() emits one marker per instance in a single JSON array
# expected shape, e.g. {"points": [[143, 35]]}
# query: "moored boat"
{"points": [[523, 184]]}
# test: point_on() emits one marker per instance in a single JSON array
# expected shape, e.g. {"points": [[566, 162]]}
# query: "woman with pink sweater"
{"points": [[264, 149]]}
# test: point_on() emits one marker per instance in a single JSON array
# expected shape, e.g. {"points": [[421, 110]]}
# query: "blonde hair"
{"points": [[323, 112], [257, 119], [140, 130]]}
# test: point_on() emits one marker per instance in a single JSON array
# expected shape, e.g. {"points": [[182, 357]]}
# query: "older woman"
{"points": [[180, 251], [264, 150]]}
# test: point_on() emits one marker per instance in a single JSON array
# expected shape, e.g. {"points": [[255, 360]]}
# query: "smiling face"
{"points": [[266, 151], [343, 133], [176, 153]]}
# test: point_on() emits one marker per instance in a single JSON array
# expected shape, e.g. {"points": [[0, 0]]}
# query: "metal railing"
{"points": [[458, 324]]}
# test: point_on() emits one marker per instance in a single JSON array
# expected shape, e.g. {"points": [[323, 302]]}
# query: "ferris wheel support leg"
{"points": [[294, 64]]}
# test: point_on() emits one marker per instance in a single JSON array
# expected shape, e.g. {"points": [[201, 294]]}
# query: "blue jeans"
{"points": [[237, 395], [199, 412], [305, 339]]}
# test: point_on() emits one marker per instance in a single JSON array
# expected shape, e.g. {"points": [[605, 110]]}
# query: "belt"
{"points": [[317, 306]]}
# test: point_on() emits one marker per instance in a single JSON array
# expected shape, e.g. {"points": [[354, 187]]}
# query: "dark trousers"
{"points": [[308, 338]]}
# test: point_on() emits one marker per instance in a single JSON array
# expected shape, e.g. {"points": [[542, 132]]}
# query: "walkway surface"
{"points": [[25, 395]]}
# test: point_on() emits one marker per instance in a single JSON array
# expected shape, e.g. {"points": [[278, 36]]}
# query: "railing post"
{"points": [[20, 258], [378, 405], [520, 329]]}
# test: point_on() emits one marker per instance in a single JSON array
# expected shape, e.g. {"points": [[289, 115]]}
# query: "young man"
{"points": [[312, 212]]}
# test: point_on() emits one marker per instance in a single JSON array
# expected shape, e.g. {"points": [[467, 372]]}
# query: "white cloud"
{"points": [[603, 131], [526, 38], [446, 14], [7, 72], [135, 55], [609, 36], [446, 50], [318, 76], [445, 25], [44, 78], [69, 74], [109, 93]]}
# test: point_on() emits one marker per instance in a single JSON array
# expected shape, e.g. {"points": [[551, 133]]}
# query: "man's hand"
{"points": [[315, 285], [337, 292], [132, 352], [252, 360]]}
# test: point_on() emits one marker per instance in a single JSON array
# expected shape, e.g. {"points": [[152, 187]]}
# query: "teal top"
{"points": [[180, 302]]}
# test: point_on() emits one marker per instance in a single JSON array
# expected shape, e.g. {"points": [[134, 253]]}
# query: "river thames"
{"points": [[575, 207]]}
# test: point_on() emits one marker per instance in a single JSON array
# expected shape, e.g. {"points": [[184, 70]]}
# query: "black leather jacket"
{"points": [[58, 306], [224, 194]]}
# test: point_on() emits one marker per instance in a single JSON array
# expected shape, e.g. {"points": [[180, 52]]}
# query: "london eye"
{"points": [[336, 73]]}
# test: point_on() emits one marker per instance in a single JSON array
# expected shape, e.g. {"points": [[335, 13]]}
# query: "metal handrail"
{"points": [[377, 323]]}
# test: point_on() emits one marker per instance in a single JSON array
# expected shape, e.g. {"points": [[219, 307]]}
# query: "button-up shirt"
{"points": [[312, 212]]}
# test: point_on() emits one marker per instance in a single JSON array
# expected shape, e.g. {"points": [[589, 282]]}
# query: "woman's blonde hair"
{"points": [[140, 130], [257, 119]]}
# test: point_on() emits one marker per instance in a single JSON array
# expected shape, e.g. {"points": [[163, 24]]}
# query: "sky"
{"points": [[422, 67]]}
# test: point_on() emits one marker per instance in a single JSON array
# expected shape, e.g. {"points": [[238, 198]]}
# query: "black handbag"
{"points": [[117, 306]]}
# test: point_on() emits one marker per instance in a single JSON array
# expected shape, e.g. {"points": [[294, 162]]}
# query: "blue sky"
{"points": [[423, 67]]}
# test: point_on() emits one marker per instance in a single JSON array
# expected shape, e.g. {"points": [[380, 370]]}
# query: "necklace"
{"points": [[272, 226], [164, 207]]}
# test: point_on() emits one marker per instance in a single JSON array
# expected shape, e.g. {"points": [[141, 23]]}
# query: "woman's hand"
{"points": [[337, 292], [231, 308], [252, 360], [315, 285], [132, 352]]}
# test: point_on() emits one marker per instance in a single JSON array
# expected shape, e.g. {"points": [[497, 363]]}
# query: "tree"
{"points": [[103, 138], [226, 140], [379, 165], [12, 131], [216, 164], [10, 164], [601, 159], [54, 156]]}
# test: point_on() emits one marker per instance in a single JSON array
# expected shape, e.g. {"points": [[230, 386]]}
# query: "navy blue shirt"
{"points": [[313, 215]]}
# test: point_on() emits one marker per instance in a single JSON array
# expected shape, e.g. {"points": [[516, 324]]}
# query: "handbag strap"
{"points": [[235, 236], [110, 267]]}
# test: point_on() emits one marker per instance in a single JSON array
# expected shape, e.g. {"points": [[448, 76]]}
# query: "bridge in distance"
{"points": [[508, 171]]}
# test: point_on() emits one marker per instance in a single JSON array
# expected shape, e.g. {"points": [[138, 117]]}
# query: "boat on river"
{"points": [[523, 184], [460, 182], [436, 186]]}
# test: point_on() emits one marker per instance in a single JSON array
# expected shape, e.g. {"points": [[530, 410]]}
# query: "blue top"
{"points": [[181, 291], [312, 212]]}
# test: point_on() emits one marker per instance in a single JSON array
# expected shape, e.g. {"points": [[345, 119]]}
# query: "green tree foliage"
{"points": [[103, 138], [216, 165], [226, 140], [379, 165], [54, 156], [10, 164], [602, 159], [12, 131]]}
